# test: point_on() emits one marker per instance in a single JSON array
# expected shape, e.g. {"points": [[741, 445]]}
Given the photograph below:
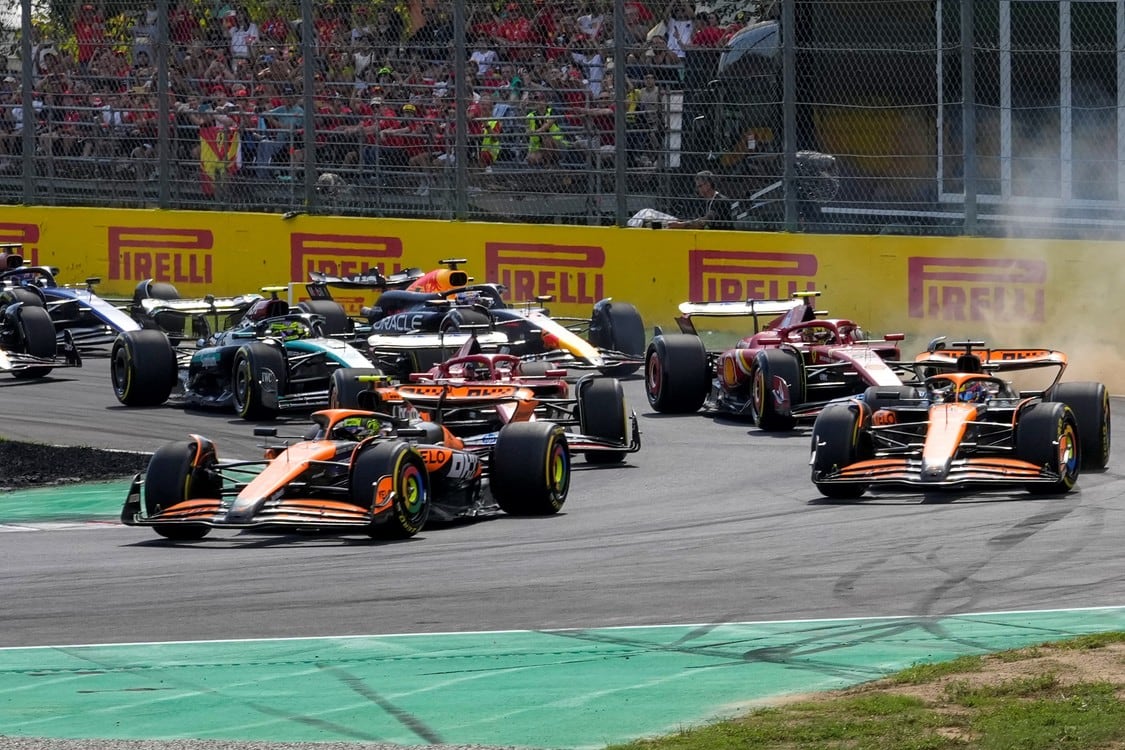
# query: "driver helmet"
{"points": [[974, 392], [287, 330], [356, 428], [476, 371]]}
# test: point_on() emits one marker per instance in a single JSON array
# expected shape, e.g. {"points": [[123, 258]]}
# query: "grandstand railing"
{"points": [[808, 116]]}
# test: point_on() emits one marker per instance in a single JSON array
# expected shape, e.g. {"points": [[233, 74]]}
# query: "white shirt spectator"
{"points": [[679, 36], [594, 68], [485, 60], [243, 40], [591, 25]]}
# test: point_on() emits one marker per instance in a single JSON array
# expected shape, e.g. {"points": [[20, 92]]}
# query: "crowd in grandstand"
{"points": [[539, 86]]}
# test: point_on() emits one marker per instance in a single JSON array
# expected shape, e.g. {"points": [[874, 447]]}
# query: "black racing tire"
{"points": [[410, 483], [344, 387], [335, 319], [255, 364], [677, 374], [770, 364], [142, 367], [149, 289], [884, 397], [28, 297], [529, 471], [535, 368], [837, 441], [38, 338], [618, 327], [171, 479], [1047, 435], [1090, 403], [602, 414]]}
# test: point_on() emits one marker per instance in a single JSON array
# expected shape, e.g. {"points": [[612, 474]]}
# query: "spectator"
{"points": [[647, 125], [591, 23], [435, 36], [243, 36], [678, 28], [275, 29], [717, 212], [662, 62], [484, 57], [599, 126], [707, 31], [282, 122], [144, 32], [587, 56], [183, 27], [545, 137], [636, 32], [89, 33]]}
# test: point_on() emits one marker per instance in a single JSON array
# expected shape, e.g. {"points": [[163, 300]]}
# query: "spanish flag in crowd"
{"points": [[220, 151]]}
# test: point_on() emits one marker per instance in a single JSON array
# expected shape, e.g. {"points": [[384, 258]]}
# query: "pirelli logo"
{"points": [[733, 275], [161, 253], [1005, 290], [341, 254], [569, 273], [19, 233]]}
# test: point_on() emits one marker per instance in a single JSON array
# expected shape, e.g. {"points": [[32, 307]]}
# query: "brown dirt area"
{"points": [[1070, 666]]}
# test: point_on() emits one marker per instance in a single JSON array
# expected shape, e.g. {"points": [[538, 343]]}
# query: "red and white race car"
{"points": [[784, 372]]}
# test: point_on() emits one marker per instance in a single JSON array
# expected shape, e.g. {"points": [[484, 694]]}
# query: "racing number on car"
{"points": [[883, 417]]}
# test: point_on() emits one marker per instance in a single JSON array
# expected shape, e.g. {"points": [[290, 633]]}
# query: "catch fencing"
{"points": [[808, 115]]}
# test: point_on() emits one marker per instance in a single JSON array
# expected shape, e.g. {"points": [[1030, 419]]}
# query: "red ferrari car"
{"points": [[785, 372]]}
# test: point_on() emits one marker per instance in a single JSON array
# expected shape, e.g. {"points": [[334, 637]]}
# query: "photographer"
{"points": [[717, 213]]}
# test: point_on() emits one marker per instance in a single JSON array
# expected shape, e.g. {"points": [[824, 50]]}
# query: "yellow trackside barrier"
{"points": [[1010, 292]]}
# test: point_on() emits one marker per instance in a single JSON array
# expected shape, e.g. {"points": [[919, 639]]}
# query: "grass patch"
{"points": [[921, 673], [1039, 698], [1094, 640]]}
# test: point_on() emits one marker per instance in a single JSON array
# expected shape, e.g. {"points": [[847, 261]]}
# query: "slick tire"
{"points": [[677, 374], [142, 367], [1047, 435], [28, 297], [837, 441], [345, 391], [409, 481], [601, 414], [768, 365], [37, 335], [529, 472], [335, 319], [258, 367], [1090, 403], [618, 327], [174, 474]]}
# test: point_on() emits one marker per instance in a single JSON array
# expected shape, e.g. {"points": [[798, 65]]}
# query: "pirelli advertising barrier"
{"points": [[1061, 294]]}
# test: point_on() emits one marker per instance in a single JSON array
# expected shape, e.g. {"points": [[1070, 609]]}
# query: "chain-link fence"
{"points": [[815, 115]]}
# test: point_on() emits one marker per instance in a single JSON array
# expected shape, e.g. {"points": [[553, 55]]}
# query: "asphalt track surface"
{"points": [[713, 523]]}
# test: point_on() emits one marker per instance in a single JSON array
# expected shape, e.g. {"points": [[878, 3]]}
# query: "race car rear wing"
{"points": [[763, 313], [963, 356]]}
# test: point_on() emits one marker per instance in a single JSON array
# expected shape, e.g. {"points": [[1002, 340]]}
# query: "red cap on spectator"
{"points": [[241, 92], [276, 102], [218, 90]]}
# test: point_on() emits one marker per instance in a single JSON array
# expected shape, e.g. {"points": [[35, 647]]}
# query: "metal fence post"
{"points": [[461, 115], [789, 110], [968, 118]]}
